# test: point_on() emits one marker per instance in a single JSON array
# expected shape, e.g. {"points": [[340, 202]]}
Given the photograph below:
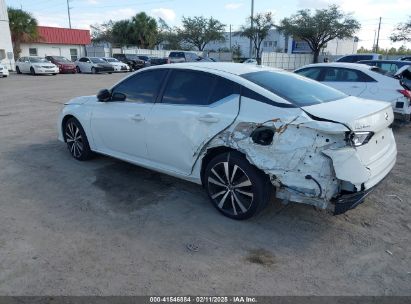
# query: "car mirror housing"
{"points": [[104, 95], [118, 97]]}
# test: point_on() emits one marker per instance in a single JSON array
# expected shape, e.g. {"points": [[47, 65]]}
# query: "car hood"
{"points": [[356, 113], [81, 100]]}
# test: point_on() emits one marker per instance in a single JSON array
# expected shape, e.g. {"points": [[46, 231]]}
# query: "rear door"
{"points": [[194, 107], [349, 81]]}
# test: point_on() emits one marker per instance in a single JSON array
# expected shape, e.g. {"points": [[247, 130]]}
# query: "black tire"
{"points": [[93, 70], [245, 192], [76, 139], [78, 69], [32, 71], [18, 70]]}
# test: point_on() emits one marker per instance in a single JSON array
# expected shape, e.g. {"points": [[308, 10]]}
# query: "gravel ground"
{"points": [[105, 227]]}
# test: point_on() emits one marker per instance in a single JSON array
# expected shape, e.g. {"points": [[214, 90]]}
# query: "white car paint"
{"points": [[93, 65], [37, 64], [4, 72], [308, 141], [381, 87], [117, 64]]}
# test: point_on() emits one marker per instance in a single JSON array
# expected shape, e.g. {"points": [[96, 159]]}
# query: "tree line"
{"points": [[315, 27]]}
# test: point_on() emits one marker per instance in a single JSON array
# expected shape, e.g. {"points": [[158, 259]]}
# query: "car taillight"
{"points": [[406, 93]]}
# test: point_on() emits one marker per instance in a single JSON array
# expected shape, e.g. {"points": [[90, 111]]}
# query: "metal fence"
{"points": [[285, 61]]}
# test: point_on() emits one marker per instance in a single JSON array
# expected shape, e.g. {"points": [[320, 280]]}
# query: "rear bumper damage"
{"points": [[311, 163]]}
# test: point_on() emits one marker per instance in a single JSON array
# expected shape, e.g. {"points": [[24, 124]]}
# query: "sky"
{"points": [[234, 12]]}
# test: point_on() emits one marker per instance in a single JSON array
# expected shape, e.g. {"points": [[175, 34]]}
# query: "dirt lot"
{"points": [[105, 227]]}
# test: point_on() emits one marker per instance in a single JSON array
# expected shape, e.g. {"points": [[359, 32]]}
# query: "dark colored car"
{"points": [[64, 65], [357, 57], [407, 58], [151, 60], [131, 60]]}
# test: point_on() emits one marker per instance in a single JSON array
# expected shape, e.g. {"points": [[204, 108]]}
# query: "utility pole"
{"points": [[373, 43], [378, 36], [68, 12], [252, 16], [230, 37]]}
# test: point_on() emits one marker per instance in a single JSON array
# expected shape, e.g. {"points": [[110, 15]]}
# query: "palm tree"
{"points": [[23, 28], [145, 30]]}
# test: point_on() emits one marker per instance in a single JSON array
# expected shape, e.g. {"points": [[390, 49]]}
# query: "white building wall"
{"points": [[46, 49], [6, 48], [341, 47]]}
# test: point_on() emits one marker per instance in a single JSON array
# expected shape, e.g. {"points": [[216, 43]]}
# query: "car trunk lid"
{"points": [[356, 113]]}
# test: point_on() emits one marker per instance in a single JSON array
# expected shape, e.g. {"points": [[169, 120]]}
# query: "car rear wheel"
{"points": [[32, 71], [236, 188], [18, 70], [93, 70], [76, 139]]}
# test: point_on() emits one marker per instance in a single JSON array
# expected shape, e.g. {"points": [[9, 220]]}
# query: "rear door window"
{"points": [[188, 87], [345, 75]]}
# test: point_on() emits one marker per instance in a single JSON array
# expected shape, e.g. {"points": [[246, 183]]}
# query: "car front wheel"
{"points": [[78, 69], [32, 71], [236, 188], [76, 140]]}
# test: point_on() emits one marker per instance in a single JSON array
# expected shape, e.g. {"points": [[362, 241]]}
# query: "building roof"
{"points": [[56, 35]]}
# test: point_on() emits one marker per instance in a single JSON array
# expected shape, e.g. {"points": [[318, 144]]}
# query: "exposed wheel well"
{"points": [[63, 123], [211, 153]]}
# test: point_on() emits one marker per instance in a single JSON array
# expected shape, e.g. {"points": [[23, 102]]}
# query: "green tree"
{"points": [[168, 36], [199, 31], [319, 28], [257, 30], [402, 32], [102, 32], [23, 28], [144, 30], [121, 32]]}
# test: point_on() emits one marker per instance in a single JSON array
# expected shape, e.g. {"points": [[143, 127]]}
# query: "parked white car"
{"points": [[35, 65], [93, 65], [241, 131], [117, 64], [4, 72], [362, 81]]}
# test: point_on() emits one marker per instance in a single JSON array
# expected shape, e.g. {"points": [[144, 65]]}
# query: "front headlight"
{"points": [[359, 138]]}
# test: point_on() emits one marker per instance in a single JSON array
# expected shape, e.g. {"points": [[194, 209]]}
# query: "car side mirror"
{"points": [[118, 97], [104, 95]]}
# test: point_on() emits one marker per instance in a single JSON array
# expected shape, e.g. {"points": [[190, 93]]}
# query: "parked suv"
{"points": [[131, 60], [177, 57], [64, 65], [358, 57]]}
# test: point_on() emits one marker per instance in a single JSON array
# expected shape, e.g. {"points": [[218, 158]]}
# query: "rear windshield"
{"points": [[301, 91], [177, 54]]}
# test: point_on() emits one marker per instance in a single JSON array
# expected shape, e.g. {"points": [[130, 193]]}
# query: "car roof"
{"points": [[227, 67], [357, 66], [383, 60]]}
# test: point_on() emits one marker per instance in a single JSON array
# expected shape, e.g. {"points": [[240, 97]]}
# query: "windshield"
{"points": [[111, 60], [296, 89], [36, 59], [97, 60], [61, 59]]}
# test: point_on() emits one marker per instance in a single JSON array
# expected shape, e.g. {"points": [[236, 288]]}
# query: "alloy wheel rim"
{"points": [[74, 140], [230, 188]]}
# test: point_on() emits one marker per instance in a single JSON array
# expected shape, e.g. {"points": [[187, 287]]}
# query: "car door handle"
{"points": [[208, 118], [137, 117]]}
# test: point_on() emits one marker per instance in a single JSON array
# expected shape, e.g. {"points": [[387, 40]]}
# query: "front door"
{"points": [[119, 127], [195, 106]]}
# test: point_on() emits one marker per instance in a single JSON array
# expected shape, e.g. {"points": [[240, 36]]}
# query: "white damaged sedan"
{"points": [[241, 131]]}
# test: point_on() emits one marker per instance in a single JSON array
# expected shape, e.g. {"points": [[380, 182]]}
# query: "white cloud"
{"points": [[92, 2], [164, 13], [233, 5]]}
